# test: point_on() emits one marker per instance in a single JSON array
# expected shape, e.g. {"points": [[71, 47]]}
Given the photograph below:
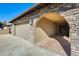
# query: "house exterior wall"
{"points": [[70, 16], [24, 31]]}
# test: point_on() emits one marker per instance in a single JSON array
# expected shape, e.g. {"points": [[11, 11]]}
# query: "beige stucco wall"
{"points": [[24, 31], [55, 17], [44, 29], [48, 26], [40, 35]]}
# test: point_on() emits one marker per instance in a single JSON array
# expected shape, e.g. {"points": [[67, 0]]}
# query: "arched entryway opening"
{"points": [[52, 31]]}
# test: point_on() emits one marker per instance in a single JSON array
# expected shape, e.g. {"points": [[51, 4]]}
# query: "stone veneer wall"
{"points": [[72, 17]]}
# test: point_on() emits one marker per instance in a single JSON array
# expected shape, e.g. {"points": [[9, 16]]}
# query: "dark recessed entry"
{"points": [[63, 30]]}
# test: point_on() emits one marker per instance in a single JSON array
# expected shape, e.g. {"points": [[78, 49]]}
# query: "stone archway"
{"points": [[49, 29], [53, 23]]}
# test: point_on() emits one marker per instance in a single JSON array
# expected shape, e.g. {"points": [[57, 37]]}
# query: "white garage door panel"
{"points": [[24, 31]]}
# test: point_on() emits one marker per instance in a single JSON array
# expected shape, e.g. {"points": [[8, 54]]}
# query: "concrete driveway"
{"points": [[14, 46]]}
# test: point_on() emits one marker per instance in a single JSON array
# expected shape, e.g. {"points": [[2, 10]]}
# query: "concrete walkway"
{"points": [[14, 46]]}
